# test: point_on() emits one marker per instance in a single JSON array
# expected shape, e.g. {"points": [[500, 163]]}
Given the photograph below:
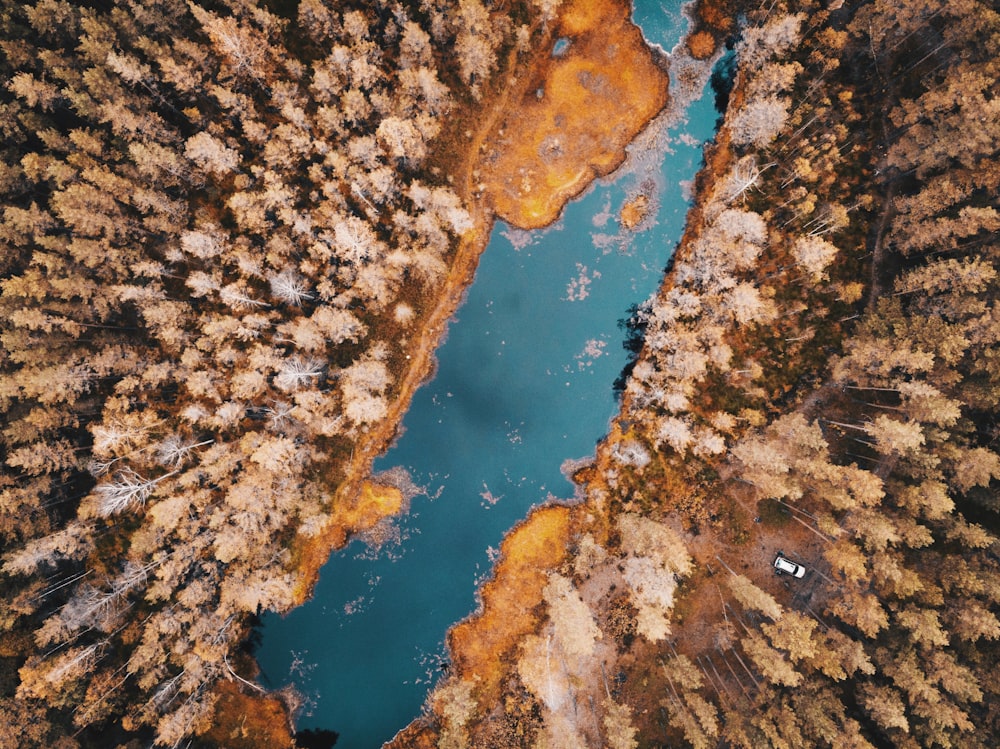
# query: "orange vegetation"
{"points": [[718, 15], [634, 211], [245, 721], [527, 554], [701, 45], [354, 514], [415, 736], [575, 115], [714, 20]]}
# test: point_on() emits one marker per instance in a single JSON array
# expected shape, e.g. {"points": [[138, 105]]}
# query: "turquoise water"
{"points": [[524, 383]]}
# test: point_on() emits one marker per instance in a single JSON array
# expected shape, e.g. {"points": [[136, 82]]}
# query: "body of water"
{"points": [[524, 383]]}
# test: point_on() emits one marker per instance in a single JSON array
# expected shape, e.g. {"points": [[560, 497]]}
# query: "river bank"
{"points": [[523, 170], [484, 648]]}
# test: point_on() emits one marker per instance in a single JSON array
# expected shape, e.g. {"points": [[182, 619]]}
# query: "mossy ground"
{"points": [[574, 114]]}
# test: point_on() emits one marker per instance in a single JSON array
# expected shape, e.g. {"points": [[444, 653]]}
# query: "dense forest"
{"points": [[225, 225], [818, 376]]}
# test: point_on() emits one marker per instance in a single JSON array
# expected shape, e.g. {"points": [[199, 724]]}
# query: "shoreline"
{"points": [[483, 189], [479, 644]]}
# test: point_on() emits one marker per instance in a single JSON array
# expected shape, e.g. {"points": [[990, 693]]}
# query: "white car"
{"points": [[785, 566]]}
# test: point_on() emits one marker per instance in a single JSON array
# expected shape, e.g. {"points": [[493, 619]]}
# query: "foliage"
{"points": [[211, 217]]}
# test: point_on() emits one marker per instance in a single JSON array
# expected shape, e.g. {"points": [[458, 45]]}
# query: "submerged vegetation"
{"points": [[231, 241]]}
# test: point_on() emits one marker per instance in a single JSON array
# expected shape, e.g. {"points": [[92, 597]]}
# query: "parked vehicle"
{"points": [[785, 566]]}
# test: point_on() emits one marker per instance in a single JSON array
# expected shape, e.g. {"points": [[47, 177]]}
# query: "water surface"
{"points": [[524, 383]]}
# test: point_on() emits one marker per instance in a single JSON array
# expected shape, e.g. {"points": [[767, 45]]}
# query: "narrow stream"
{"points": [[524, 383]]}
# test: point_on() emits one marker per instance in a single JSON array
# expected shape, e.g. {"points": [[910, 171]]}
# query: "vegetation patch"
{"points": [[374, 504], [557, 135], [634, 211], [480, 645]]}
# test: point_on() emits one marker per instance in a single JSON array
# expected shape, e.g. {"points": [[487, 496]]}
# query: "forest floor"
{"points": [[773, 528]]}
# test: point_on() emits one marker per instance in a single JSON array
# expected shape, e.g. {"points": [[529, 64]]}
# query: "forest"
{"points": [[226, 227], [221, 238]]}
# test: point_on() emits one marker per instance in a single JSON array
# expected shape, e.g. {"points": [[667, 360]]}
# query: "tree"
{"points": [[73, 542], [402, 140], [415, 48], [457, 706], [779, 33], [814, 255], [885, 706], [547, 10], [475, 45], [424, 91], [652, 595], [644, 537], [746, 304], [49, 679], [296, 373], [618, 729], [287, 286], [743, 177], [923, 402], [760, 121], [976, 467], [924, 626], [772, 663], [127, 490], [861, 610], [793, 633], [752, 597], [243, 47], [572, 621], [895, 437], [211, 154], [969, 276], [675, 433]]}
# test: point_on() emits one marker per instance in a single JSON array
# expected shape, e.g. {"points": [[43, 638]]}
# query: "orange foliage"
{"points": [[717, 14], [416, 736], [244, 721], [528, 553], [368, 507], [374, 503], [701, 45], [634, 211], [570, 123]]}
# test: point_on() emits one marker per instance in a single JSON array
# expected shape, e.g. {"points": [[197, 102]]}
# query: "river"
{"points": [[524, 384]]}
